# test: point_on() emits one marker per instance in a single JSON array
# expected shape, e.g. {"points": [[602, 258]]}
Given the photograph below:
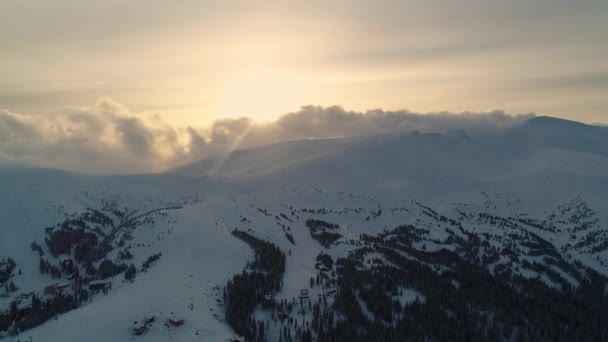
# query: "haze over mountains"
{"points": [[109, 138], [540, 147], [376, 229]]}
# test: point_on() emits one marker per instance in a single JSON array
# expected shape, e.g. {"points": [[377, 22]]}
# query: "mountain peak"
{"points": [[549, 121]]}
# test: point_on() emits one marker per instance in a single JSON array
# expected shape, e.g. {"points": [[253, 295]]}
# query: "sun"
{"points": [[262, 93]]}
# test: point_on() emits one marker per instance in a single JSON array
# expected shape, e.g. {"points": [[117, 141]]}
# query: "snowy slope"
{"points": [[548, 177], [542, 147]]}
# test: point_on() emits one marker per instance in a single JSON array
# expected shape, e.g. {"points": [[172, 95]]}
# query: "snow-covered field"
{"points": [[546, 174]]}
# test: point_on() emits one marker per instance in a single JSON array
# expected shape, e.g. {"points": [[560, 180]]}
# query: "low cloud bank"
{"points": [[109, 138]]}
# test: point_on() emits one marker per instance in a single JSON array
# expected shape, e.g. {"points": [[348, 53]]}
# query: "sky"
{"points": [[187, 67]]}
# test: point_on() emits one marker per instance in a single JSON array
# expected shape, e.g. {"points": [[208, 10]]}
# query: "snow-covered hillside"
{"points": [[530, 203]]}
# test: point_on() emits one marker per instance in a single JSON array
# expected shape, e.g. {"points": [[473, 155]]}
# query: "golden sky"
{"points": [[192, 62]]}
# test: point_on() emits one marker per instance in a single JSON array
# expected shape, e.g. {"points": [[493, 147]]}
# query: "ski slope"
{"points": [[547, 170]]}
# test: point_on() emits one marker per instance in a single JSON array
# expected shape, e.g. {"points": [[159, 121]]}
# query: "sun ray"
{"points": [[228, 152]]}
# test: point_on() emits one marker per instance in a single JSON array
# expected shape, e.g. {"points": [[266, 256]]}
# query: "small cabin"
{"points": [[61, 287], [56, 288], [50, 290], [304, 293], [176, 323]]}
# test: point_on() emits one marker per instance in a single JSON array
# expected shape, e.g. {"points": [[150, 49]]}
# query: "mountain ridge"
{"points": [[363, 224]]}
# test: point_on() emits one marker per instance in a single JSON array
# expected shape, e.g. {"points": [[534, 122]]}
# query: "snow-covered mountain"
{"points": [[540, 145], [361, 223]]}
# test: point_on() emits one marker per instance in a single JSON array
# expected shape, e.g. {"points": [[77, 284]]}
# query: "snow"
{"points": [[409, 295], [526, 172]]}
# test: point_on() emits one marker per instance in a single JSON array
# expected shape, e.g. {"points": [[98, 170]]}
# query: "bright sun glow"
{"points": [[261, 93]]}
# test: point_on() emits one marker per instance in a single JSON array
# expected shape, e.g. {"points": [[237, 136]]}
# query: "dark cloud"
{"points": [[319, 122], [135, 137], [108, 138], [197, 143]]}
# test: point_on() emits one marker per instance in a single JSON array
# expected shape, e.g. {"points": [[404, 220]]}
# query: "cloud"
{"points": [[104, 138], [108, 138], [319, 122]]}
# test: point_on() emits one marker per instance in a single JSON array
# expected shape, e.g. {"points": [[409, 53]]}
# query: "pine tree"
{"points": [[130, 272], [11, 287]]}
